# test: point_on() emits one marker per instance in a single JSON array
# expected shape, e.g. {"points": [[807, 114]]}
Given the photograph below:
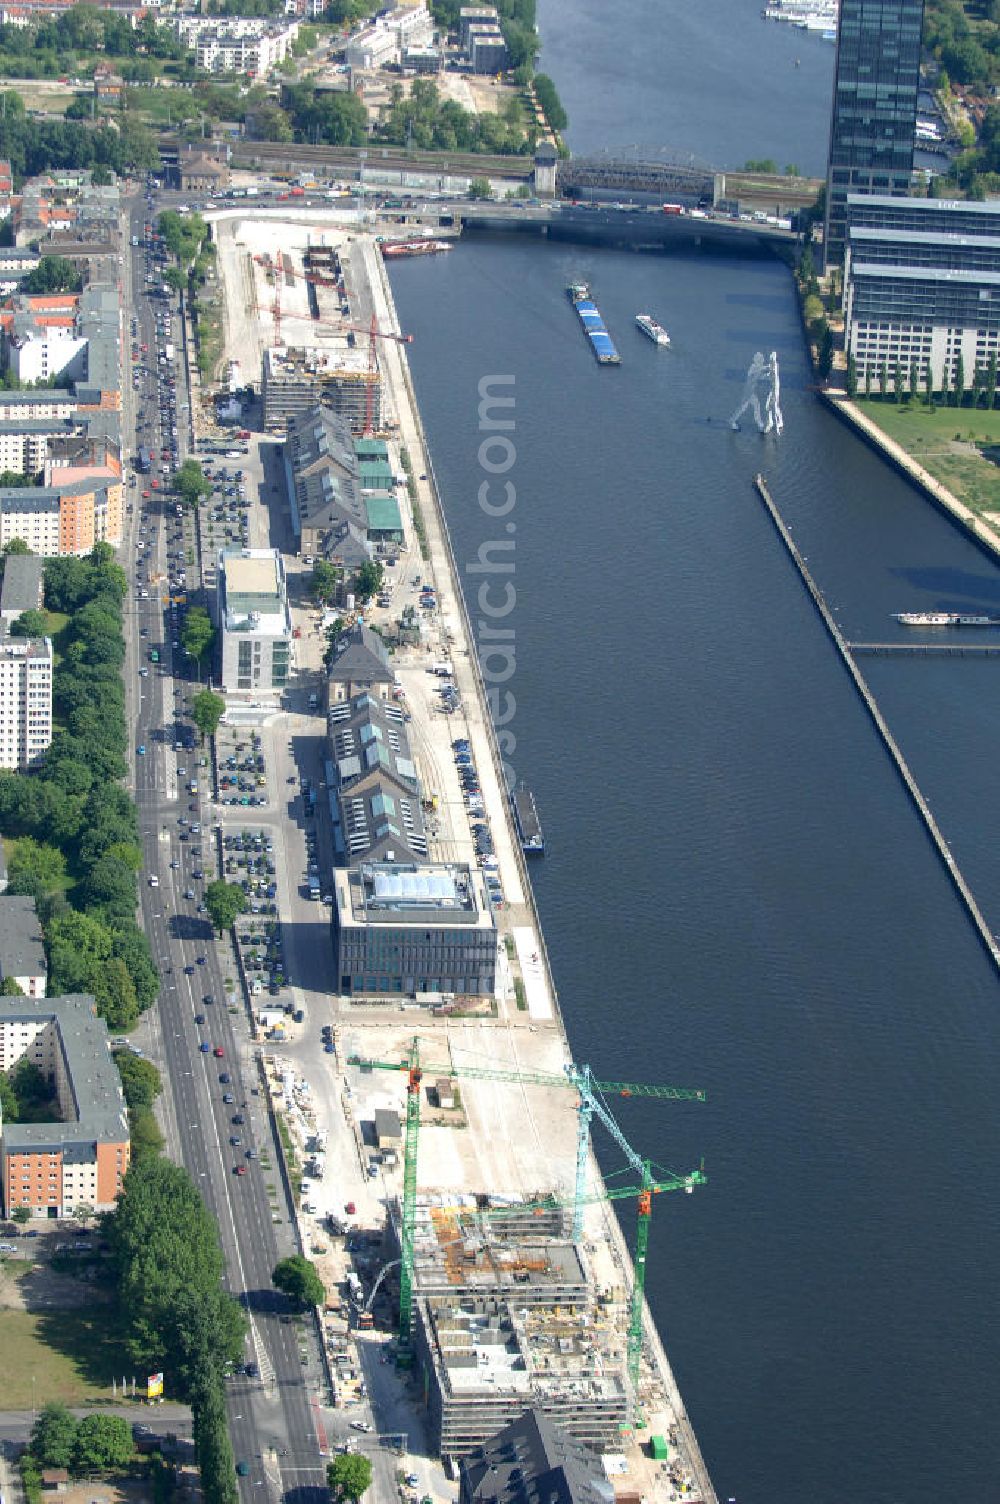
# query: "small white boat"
{"points": [[652, 329]]}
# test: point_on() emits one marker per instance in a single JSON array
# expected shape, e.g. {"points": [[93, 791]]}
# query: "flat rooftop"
{"points": [[256, 575], [436, 893], [93, 1077]]}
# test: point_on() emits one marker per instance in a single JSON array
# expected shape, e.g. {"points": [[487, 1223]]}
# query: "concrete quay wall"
{"points": [[848, 412], [443, 561], [951, 867]]}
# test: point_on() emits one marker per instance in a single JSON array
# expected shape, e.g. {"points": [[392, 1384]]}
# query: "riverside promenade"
{"points": [[658, 1408]]}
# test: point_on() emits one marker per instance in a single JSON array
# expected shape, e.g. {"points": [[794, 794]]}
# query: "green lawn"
{"points": [[944, 441], [71, 1356], [58, 621]]}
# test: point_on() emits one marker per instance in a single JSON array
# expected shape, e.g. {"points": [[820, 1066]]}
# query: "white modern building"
{"points": [[238, 44], [922, 290], [410, 28], [255, 624], [25, 701]]}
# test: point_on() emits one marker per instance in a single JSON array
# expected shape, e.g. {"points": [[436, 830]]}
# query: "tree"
{"points": [[852, 376], [368, 580], [296, 1277], [197, 633], [35, 868], [897, 383], [991, 383], [22, 1214], [53, 274], [824, 357], [191, 483], [29, 624], [480, 188], [929, 383], [883, 380], [175, 279], [103, 1442], [325, 581], [914, 378], [15, 546], [349, 1476], [141, 1081], [53, 1436], [225, 902], [959, 381], [207, 710], [9, 988]]}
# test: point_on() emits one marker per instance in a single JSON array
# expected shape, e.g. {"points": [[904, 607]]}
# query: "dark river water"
{"points": [[737, 892]]}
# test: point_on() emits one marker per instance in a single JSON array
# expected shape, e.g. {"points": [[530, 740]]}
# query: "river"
{"points": [[737, 892]]}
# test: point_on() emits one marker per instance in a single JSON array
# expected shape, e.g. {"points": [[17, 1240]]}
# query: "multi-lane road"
{"points": [[272, 1415]]}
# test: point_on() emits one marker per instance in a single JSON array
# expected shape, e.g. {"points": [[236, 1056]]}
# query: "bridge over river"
{"points": [[622, 174]]}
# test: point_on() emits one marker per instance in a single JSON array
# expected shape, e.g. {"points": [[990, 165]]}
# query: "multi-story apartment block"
{"points": [[25, 701], [78, 1160], [22, 950]]}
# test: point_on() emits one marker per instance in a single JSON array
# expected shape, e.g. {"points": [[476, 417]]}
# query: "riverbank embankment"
{"points": [[986, 535], [659, 1402]]}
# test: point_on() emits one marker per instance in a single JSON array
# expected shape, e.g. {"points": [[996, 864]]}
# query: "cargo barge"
{"points": [[529, 826], [593, 325]]}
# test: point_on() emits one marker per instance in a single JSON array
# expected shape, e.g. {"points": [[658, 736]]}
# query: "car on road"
{"points": [[224, 1078], [204, 1047], [199, 1018], [242, 1469], [251, 1154], [239, 1169], [141, 751], [219, 1052], [189, 971], [361, 1425], [228, 1098], [238, 1119], [234, 1139]]}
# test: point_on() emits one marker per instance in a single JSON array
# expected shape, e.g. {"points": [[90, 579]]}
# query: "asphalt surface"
{"points": [[272, 1416]]}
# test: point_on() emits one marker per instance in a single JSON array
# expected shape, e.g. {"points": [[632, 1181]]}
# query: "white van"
{"points": [[154, 881]]}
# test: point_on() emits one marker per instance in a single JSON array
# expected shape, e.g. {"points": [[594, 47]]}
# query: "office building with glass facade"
{"points": [[874, 108], [922, 289]]}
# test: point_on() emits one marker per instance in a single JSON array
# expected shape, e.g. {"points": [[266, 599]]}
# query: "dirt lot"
{"points": [[29, 1284], [109, 1491]]}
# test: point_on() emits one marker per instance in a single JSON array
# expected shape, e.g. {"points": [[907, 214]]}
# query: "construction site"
{"points": [[519, 1296], [306, 326]]}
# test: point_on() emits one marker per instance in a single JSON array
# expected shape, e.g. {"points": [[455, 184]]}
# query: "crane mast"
{"points": [[590, 1104]]}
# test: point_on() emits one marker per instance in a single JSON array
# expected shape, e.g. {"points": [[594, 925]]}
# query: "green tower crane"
{"points": [[590, 1104]]}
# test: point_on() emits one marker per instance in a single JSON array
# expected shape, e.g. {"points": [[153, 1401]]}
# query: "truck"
{"points": [[673, 208], [168, 350], [143, 461]]}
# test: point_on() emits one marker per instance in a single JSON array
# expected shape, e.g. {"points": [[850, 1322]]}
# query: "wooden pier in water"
{"points": [[930, 649], [846, 651]]}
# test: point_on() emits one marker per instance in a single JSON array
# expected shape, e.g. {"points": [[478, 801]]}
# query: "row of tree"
{"points": [[76, 826], [141, 1084], [96, 1444], [33, 146], [168, 1266], [910, 383]]}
